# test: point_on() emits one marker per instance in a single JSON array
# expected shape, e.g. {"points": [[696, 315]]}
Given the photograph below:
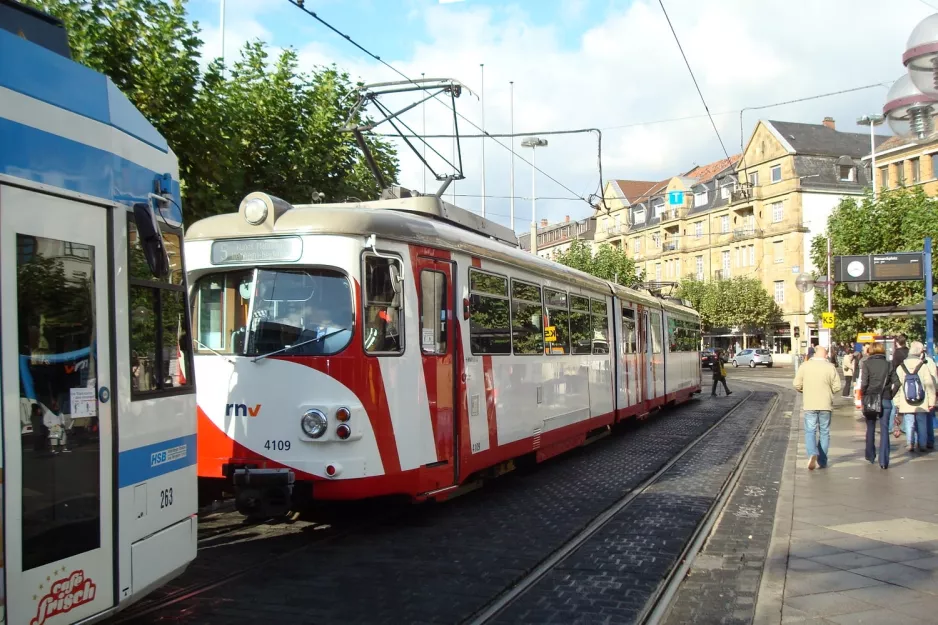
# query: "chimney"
{"points": [[829, 122], [543, 223], [566, 219]]}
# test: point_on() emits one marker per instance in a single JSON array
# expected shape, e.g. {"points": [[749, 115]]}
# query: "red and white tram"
{"points": [[406, 346]]}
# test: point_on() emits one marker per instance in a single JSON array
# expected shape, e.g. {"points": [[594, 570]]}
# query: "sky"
{"points": [[606, 64]]}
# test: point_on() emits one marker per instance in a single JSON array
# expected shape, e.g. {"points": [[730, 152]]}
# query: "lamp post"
{"points": [[534, 143], [911, 107], [872, 121]]}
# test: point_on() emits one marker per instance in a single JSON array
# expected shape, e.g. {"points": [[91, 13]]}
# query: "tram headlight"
{"points": [[314, 423], [255, 211], [343, 414]]}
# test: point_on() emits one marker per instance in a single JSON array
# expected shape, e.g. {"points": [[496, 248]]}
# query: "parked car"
{"points": [[708, 357], [753, 357]]}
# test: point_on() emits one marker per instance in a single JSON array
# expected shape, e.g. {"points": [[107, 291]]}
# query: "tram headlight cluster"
{"points": [[314, 423]]}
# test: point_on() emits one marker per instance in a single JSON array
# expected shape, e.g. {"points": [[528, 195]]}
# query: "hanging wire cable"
{"points": [[300, 4], [694, 78]]}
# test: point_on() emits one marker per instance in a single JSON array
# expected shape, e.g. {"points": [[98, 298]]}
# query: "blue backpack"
{"points": [[912, 385]]}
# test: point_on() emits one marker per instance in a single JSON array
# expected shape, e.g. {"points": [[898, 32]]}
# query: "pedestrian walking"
{"points": [[930, 419], [818, 382], [915, 396], [849, 367], [719, 375], [811, 351], [876, 392], [899, 354]]}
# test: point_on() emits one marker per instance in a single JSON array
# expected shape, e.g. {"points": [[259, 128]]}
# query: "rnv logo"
{"points": [[242, 410]]}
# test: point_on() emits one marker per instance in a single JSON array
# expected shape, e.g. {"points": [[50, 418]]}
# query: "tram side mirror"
{"points": [[151, 240], [396, 283]]}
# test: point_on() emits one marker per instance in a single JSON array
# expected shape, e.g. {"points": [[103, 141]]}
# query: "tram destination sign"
{"points": [[273, 250], [880, 267]]}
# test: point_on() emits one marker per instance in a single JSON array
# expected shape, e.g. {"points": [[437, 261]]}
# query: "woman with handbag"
{"points": [[876, 392]]}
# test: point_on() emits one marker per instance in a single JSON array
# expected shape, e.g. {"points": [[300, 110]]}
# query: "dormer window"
{"points": [[659, 208], [846, 169], [700, 197], [640, 215]]}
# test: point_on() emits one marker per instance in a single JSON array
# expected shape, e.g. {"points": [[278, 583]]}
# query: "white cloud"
{"points": [[627, 69]]}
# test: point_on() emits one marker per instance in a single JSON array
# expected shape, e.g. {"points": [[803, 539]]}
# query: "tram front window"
{"points": [[257, 312]]}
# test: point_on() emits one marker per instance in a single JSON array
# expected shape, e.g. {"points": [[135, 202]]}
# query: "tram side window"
{"points": [[383, 305], [557, 331], [581, 336], [160, 348], [674, 335], [600, 327], [628, 331], [654, 319], [489, 316], [527, 333]]}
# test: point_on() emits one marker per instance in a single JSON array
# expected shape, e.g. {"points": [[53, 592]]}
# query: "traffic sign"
{"points": [[675, 197], [827, 320], [550, 334]]}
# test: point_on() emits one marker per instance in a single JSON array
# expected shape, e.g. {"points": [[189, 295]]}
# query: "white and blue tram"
{"points": [[98, 404]]}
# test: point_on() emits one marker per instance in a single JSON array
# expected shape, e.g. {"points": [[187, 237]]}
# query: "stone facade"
{"points": [[754, 214]]}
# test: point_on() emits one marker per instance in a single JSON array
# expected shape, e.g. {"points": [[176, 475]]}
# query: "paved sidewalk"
{"points": [[853, 543]]}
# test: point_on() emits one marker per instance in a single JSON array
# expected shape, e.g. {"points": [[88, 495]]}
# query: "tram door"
{"points": [[56, 360], [438, 353]]}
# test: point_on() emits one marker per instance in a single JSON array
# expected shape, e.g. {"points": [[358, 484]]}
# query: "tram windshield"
{"points": [[259, 312]]}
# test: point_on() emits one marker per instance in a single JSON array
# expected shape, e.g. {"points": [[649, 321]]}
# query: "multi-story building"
{"points": [[555, 238], [905, 162], [750, 215]]}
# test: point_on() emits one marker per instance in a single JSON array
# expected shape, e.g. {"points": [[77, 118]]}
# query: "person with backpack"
{"points": [[719, 374], [930, 420], [818, 381], [915, 396], [876, 391]]}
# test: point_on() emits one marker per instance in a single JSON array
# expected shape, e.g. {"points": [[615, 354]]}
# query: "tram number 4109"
{"points": [[276, 445]]}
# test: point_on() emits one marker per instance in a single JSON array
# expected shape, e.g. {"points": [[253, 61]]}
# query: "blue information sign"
{"points": [[675, 197]]}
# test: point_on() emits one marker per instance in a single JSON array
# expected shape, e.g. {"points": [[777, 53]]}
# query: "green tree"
{"points": [[264, 126], [898, 221], [609, 263], [740, 302]]}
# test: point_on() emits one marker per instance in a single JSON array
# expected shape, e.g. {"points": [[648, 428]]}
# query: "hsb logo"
{"points": [[242, 410]]}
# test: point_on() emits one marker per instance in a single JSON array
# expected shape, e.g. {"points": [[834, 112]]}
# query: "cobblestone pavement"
{"points": [[611, 577], [441, 563], [724, 580]]}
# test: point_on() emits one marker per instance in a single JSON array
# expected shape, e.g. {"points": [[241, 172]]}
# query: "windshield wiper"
{"points": [[289, 347], [219, 354]]}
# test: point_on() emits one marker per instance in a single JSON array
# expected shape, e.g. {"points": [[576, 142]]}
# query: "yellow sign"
{"points": [[827, 320], [866, 337], [550, 334]]}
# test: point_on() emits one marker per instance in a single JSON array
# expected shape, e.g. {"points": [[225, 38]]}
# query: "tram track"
{"points": [[309, 535], [656, 606]]}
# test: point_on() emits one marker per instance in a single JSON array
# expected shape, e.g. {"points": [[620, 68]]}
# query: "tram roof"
{"points": [[406, 220]]}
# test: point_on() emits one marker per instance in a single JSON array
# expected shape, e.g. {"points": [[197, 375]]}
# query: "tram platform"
{"points": [[852, 543]]}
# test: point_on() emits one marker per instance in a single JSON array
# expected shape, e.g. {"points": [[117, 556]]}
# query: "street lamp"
{"points": [[921, 56], [534, 143], [872, 121], [909, 111]]}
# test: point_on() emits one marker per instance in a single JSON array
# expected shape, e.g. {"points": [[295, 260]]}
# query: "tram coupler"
{"points": [[263, 493]]}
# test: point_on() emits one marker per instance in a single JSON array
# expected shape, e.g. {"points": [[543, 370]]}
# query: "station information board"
{"points": [[880, 267]]}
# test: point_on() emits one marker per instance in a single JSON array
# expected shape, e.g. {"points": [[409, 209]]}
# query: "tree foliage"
{"points": [[740, 302], [898, 221], [263, 125], [609, 263]]}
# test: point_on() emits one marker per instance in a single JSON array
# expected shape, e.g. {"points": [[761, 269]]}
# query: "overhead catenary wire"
{"points": [[300, 4], [694, 78]]}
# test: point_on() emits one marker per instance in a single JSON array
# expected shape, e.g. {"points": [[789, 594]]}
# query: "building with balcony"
{"points": [[753, 214], [555, 238]]}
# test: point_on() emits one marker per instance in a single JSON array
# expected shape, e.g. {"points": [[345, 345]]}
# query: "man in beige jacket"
{"points": [[818, 381]]}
